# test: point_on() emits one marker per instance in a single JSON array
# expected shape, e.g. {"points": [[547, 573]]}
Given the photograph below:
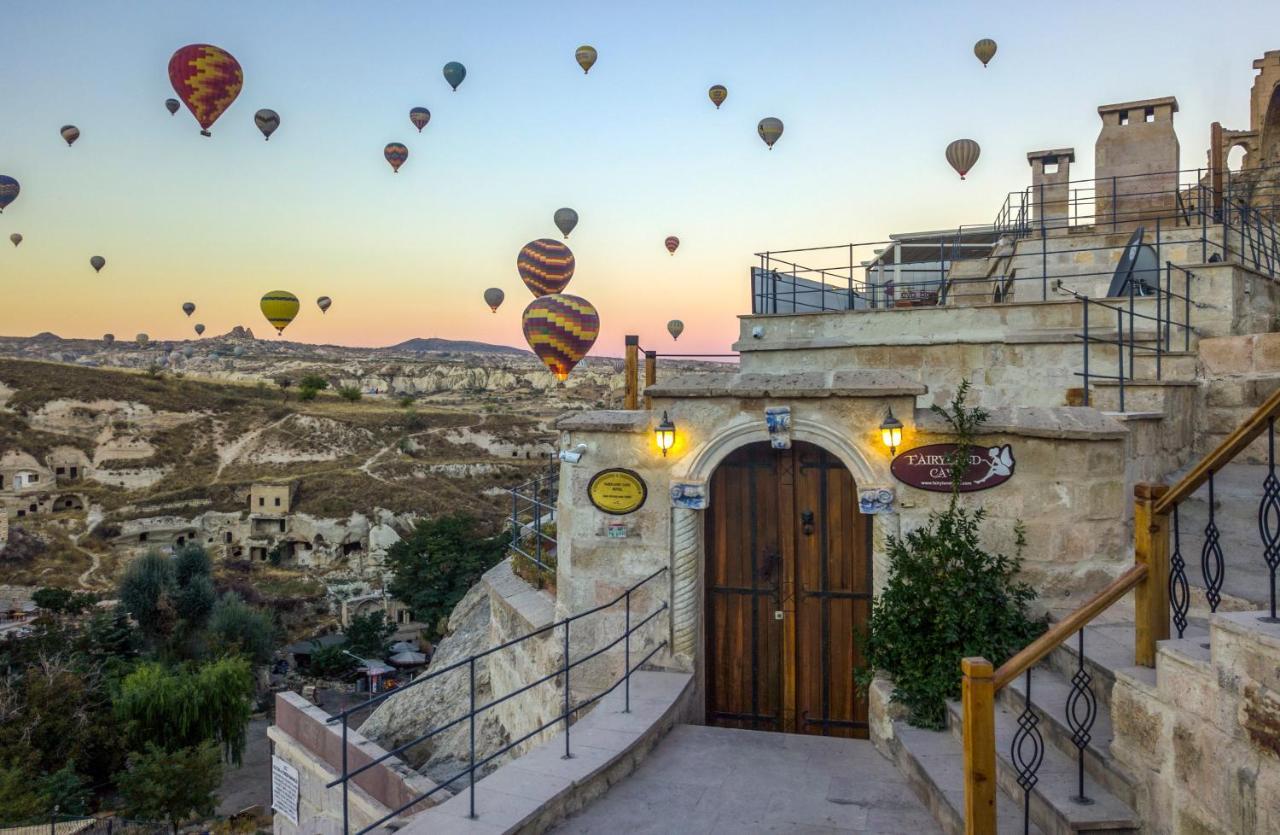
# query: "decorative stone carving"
{"points": [[689, 495], [778, 421], [873, 500], [684, 581]]}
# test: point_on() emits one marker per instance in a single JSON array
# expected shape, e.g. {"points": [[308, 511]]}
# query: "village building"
{"points": [[724, 534]]}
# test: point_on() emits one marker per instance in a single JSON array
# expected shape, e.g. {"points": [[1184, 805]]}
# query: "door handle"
{"points": [[806, 522]]}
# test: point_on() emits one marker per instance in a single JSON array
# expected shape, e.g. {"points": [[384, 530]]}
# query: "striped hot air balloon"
{"points": [[279, 306], [419, 116], [70, 133], [672, 243], [324, 303], [396, 153], [545, 266], [963, 155], [985, 49], [718, 93], [561, 330], [207, 79], [9, 189], [675, 327], [267, 121]]}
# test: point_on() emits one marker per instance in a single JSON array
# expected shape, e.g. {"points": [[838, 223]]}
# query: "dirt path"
{"points": [[83, 579]]}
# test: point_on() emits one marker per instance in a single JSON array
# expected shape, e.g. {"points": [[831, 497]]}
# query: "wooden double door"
{"points": [[788, 584]]}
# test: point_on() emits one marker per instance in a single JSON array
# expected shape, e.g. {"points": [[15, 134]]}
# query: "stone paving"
{"points": [[718, 780]]}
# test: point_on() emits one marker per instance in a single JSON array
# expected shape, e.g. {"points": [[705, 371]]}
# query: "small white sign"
{"points": [[284, 789]]}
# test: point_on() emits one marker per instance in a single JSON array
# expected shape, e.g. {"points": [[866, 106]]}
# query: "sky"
{"points": [[870, 94]]}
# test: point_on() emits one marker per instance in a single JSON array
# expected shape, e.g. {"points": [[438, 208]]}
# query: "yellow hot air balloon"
{"points": [[279, 306], [985, 49], [586, 56], [963, 154], [718, 93]]}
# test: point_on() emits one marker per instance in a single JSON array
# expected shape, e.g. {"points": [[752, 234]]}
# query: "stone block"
{"points": [[1231, 393], [1139, 724], [1266, 352], [1228, 355]]}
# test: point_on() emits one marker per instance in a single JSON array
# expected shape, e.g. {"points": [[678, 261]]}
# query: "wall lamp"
{"points": [[891, 432], [665, 434]]}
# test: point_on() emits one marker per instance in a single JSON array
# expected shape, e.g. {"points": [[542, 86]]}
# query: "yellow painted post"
{"points": [[650, 374], [1151, 595], [629, 363], [977, 693]]}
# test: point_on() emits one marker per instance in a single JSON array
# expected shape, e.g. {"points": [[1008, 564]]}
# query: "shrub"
{"points": [[313, 381], [235, 625], [349, 393], [946, 598]]}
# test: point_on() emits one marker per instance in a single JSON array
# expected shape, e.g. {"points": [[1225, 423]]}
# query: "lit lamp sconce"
{"points": [[665, 434], [891, 433]]}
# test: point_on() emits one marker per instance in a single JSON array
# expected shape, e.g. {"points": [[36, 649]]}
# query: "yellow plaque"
{"points": [[617, 491]]}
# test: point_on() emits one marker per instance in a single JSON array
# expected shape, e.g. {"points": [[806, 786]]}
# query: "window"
{"points": [[142, 537], [33, 478], [75, 472], [21, 513], [1149, 114], [228, 537], [277, 501], [281, 526], [1124, 117], [1051, 165], [262, 502], [60, 471], [182, 540]]}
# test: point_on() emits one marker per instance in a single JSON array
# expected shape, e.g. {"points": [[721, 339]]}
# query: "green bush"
{"points": [[946, 598], [349, 393]]}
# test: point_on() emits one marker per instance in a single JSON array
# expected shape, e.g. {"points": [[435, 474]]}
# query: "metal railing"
{"points": [[561, 677], [630, 368], [1128, 342], [56, 824], [533, 510], [1160, 585]]}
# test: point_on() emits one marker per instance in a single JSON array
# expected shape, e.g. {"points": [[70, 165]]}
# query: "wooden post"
{"points": [[1151, 595], [629, 363], [1217, 161], [650, 374], [977, 693]]}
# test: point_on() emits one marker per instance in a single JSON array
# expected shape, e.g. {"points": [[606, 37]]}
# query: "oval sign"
{"points": [[617, 491], [925, 467]]}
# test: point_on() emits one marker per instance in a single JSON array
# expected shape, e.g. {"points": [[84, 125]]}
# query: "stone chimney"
{"points": [[1050, 192], [1135, 163]]}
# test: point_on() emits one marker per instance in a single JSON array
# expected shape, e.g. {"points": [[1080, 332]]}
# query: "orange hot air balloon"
{"points": [[207, 79], [561, 330], [545, 266], [673, 243]]}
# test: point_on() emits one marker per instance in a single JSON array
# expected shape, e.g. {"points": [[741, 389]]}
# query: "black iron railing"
{"points": [[533, 516], [561, 678], [56, 824]]}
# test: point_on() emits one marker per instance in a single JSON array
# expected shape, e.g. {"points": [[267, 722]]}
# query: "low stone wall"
{"points": [[1203, 735], [303, 737], [1240, 373]]}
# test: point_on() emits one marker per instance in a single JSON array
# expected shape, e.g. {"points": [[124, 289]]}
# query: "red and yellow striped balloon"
{"points": [[207, 79], [561, 330], [545, 265]]}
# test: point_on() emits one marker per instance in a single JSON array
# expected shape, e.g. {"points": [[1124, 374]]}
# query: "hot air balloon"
{"points": [[675, 327], [494, 297], [207, 79], [16, 238], [545, 265], [199, 330], [396, 154], [267, 122], [561, 330], [963, 154], [718, 93], [985, 49], [97, 262], [770, 128], [279, 306], [188, 308], [108, 338], [565, 219], [70, 133], [419, 116], [9, 189], [324, 302], [454, 73], [586, 56], [142, 339], [172, 105], [672, 243]]}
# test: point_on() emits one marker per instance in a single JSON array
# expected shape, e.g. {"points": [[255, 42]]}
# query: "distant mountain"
{"points": [[423, 345]]}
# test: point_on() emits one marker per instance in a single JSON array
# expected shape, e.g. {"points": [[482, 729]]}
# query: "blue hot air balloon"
{"points": [[454, 73], [9, 189]]}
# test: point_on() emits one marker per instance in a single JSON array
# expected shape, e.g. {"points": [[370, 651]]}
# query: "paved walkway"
{"points": [[717, 780]]}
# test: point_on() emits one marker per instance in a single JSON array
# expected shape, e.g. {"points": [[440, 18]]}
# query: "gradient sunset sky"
{"points": [[870, 94]]}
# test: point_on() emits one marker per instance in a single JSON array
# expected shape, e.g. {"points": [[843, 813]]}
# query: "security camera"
{"points": [[573, 456], [757, 332]]}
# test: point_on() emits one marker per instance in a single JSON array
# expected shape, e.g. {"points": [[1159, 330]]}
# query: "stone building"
{"points": [[744, 516]]}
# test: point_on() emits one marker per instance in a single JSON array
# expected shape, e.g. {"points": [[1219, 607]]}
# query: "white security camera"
{"points": [[573, 456]]}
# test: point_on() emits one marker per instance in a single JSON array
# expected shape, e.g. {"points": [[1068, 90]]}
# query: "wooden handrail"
{"points": [[1063, 629], [1243, 435]]}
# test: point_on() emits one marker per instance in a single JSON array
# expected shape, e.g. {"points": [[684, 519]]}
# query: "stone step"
{"points": [[1174, 365], [1140, 395], [1051, 697], [1051, 805], [933, 763]]}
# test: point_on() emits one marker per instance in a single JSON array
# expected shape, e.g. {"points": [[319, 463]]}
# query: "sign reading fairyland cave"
{"points": [[926, 467]]}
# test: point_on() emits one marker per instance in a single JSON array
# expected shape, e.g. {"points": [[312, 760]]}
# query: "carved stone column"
{"points": [[685, 527]]}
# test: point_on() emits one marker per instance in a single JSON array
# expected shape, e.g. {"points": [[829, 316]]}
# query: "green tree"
{"points": [[52, 599], [237, 626], [332, 662], [314, 382], [368, 635], [171, 785], [184, 706], [20, 800], [66, 791], [350, 393], [439, 561], [946, 597], [145, 591]]}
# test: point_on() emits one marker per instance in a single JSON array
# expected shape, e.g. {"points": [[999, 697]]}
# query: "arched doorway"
{"points": [[787, 585]]}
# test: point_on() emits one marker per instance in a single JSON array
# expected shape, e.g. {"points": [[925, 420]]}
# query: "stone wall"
{"points": [[1203, 734], [1240, 373]]}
